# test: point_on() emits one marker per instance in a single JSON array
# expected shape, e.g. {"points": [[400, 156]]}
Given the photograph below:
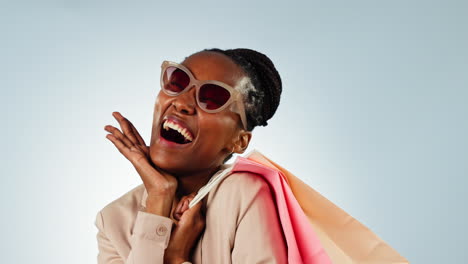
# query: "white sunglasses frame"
{"points": [[234, 101]]}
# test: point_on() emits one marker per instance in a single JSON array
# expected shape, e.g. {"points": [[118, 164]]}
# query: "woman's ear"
{"points": [[242, 141]]}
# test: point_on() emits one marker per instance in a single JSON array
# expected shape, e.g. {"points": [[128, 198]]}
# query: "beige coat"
{"points": [[242, 226]]}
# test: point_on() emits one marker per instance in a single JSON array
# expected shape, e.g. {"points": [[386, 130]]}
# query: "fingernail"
{"points": [[177, 216], [178, 207]]}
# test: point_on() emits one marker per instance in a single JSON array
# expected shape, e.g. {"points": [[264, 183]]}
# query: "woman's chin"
{"points": [[167, 161]]}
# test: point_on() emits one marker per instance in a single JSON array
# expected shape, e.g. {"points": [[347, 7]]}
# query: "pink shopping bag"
{"points": [[344, 239], [302, 242]]}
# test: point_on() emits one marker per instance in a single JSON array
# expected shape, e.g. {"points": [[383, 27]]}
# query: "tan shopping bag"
{"points": [[346, 240]]}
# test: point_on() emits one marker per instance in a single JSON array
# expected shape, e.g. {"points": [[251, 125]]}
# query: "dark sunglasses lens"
{"points": [[213, 96], [175, 80]]}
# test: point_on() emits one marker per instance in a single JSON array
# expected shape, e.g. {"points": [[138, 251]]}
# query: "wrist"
{"points": [[159, 206], [176, 260]]}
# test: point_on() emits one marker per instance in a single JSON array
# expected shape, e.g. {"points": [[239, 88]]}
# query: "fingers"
{"points": [[135, 132], [117, 134], [177, 214], [193, 217], [126, 127], [183, 206], [118, 144], [190, 197]]}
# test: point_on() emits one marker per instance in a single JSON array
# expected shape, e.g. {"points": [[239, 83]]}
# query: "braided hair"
{"points": [[263, 90], [262, 93]]}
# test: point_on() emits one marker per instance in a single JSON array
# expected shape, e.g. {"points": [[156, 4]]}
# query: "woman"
{"points": [[206, 110]]}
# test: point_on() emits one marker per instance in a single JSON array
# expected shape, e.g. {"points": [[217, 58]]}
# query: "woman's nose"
{"points": [[185, 103]]}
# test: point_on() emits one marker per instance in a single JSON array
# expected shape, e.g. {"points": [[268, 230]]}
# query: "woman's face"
{"points": [[213, 133]]}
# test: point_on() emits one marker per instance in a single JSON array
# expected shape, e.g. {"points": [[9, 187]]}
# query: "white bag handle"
{"points": [[219, 175]]}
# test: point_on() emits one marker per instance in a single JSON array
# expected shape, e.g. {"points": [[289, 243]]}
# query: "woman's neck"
{"points": [[191, 183]]}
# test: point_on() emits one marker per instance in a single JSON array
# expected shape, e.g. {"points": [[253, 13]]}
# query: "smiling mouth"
{"points": [[173, 133]]}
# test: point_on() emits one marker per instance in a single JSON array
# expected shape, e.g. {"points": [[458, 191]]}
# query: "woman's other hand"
{"points": [[161, 187], [188, 227]]}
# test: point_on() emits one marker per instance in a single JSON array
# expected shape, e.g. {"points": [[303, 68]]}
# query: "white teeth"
{"points": [[183, 131]]}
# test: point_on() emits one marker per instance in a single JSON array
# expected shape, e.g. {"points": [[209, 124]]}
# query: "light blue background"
{"points": [[373, 114]]}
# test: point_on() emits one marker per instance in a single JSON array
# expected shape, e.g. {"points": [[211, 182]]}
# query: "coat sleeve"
{"points": [[259, 235], [150, 238]]}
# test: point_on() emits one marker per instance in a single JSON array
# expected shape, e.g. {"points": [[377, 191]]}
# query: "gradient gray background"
{"points": [[373, 112]]}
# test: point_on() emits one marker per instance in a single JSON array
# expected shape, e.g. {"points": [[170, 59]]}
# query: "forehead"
{"points": [[213, 66]]}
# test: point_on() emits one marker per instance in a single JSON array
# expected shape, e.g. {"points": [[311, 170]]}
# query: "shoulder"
{"points": [[236, 193], [129, 200], [122, 211], [242, 182]]}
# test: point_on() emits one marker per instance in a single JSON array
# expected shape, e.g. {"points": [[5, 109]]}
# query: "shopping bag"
{"points": [[345, 240], [303, 245]]}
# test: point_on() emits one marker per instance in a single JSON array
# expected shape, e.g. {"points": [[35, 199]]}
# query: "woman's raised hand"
{"points": [[161, 186], [184, 236]]}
